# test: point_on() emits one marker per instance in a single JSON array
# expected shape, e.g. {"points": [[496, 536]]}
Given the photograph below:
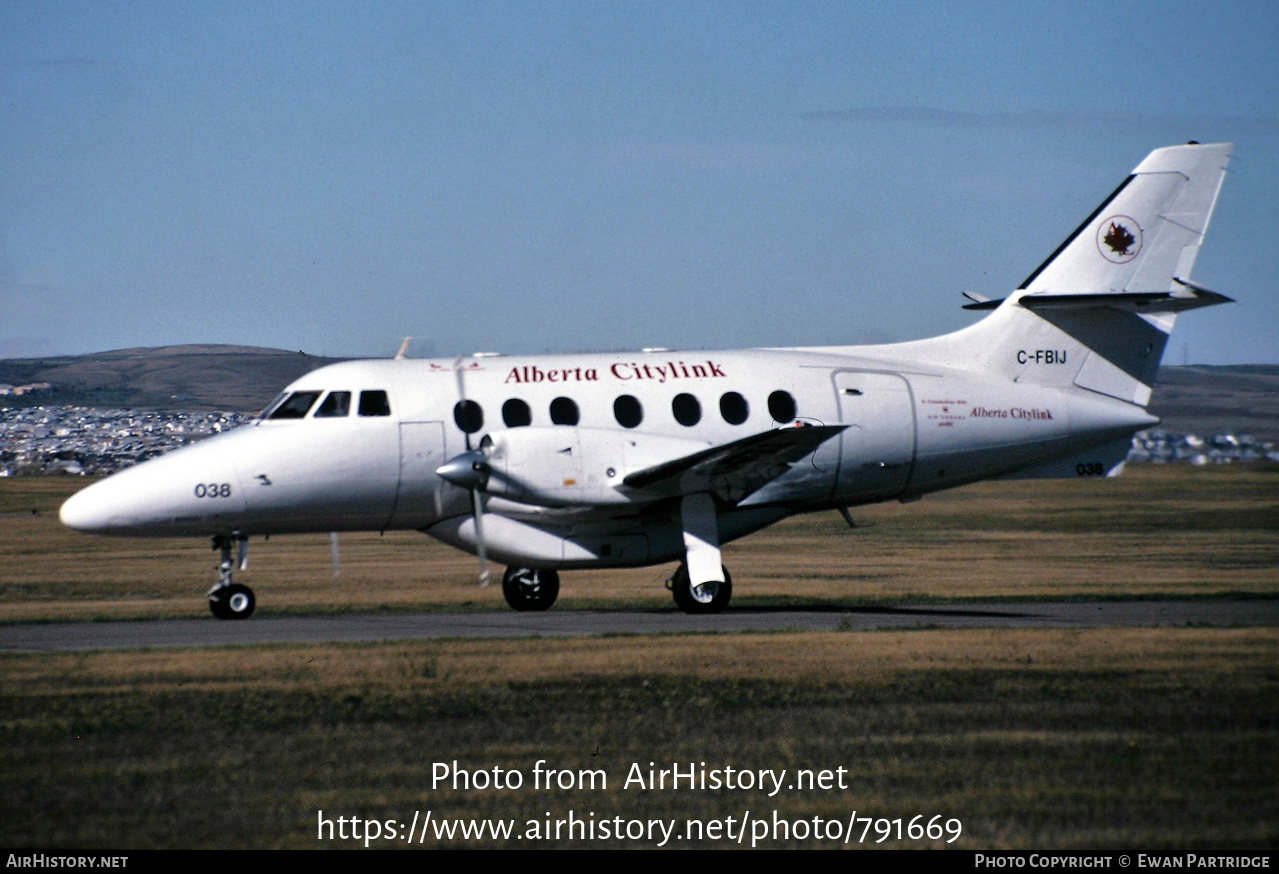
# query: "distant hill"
{"points": [[1242, 399], [206, 377], [1202, 399]]}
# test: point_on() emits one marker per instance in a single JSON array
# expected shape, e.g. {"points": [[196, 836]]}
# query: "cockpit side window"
{"points": [[295, 406], [336, 405], [374, 403], [271, 407]]}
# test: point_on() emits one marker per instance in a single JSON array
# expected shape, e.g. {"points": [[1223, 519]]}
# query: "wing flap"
{"points": [[736, 469]]}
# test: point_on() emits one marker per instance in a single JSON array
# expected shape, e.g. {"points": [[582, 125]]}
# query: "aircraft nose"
{"points": [[86, 510], [125, 501], [191, 490]]}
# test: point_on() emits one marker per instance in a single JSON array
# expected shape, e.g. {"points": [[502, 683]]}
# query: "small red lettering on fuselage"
{"points": [[1014, 413], [951, 411]]}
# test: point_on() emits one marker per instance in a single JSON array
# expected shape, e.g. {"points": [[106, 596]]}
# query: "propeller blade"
{"points": [[333, 554], [471, 470], [477, 510]]}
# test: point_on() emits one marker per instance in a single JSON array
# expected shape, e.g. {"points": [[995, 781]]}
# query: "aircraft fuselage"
{"points": [[909, 431]]}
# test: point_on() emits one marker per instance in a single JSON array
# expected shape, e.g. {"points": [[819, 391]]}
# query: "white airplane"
{"points": [[559, 462]]}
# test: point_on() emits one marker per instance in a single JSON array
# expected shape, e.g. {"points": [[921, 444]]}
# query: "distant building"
{"points": [[1158, 446]]}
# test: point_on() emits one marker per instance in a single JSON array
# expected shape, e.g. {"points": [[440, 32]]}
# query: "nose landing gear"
{"points": [[229, 599]]}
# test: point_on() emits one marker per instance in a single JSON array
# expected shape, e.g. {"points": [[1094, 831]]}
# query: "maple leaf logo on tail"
{"points": [[1119, 239]]}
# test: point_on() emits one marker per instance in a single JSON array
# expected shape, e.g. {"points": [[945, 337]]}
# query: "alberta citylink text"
{"points": [[748, 829]]}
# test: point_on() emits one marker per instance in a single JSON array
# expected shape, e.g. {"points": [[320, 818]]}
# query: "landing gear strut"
{"points": [[529, 588], [701, 584], [709, 597], [229, 599]]}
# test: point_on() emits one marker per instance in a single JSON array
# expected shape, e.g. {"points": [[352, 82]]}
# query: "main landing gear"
{"points": [[701, 584], [527, 589], [228, 599], [708, 597]]}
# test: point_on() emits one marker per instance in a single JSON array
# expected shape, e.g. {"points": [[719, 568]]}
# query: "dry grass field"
{"points": [[1134, 740], [1138, 740]]}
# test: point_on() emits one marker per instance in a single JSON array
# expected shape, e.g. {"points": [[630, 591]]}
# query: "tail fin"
{"points": [[1146, 233], [1097, 313]]}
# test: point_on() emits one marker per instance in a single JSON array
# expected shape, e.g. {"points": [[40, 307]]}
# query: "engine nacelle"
{"points": [[563, 465]]}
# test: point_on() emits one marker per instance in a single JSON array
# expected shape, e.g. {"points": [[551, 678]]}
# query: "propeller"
{"points": [[470, 471]]}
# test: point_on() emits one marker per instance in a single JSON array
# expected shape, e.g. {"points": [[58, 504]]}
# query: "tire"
{"points": [[232, 602], [530, 589], [688, 601], [217, 604]]}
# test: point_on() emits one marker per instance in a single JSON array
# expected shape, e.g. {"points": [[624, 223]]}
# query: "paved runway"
{"points": [[70, 636]]}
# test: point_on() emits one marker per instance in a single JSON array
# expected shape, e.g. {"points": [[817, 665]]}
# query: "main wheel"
{"points": [[528, 588], [232, 602], [707, 598]]}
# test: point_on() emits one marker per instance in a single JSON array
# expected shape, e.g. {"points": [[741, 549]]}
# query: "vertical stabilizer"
{"points": [[1097, 313], [1146, 233]]}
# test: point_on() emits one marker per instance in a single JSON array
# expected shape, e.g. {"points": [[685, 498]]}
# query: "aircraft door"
{"points": [[877, 450], [421, 496]]}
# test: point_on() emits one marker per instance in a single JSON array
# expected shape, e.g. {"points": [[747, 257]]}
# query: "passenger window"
{"points": [[469, 416], [781, 406], [733, 408], [336, 405], [627, 411], [374, 403], [687, 410], [516, 414], [564, 411], [296, 406]]}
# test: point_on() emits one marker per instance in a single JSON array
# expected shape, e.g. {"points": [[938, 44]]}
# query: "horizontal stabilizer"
{"points": [[984, 305], [736, 469], [980, 301], [1187, 297]]}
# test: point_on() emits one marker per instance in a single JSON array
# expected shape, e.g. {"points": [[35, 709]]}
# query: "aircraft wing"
{"points": [[736, 469]]}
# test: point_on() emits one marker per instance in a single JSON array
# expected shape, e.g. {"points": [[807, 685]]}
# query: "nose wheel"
{"points": [[229, 599], [232, 602]]}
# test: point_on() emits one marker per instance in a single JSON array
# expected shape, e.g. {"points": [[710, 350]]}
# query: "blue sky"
{"points": [[529, 177]]}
